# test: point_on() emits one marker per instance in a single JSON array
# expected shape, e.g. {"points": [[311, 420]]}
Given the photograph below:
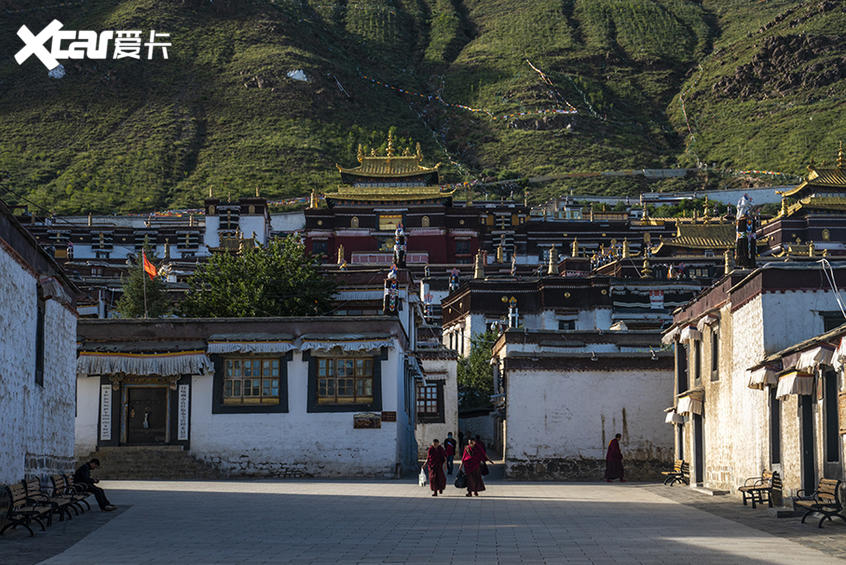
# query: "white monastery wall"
{"points": [[560, 422], [425, 433], [36, 421]]}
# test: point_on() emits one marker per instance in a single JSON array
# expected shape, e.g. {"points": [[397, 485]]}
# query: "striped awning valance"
{"points": [[165, 364]]}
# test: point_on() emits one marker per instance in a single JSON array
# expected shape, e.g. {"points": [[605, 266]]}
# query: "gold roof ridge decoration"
{"points": [[390, 164], [829, 177], [701, 236]]}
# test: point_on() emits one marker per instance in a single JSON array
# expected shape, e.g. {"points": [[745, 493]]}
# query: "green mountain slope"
{"points": [[762, 85]]}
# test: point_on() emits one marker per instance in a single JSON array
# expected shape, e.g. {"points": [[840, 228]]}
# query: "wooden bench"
{"points": [[760, 489], [825, 500], [679, 474], [77, 496], [61, 505], [23, 510]]}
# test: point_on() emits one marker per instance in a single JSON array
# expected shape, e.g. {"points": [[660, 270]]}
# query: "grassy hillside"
{"points": [[221, 112]]}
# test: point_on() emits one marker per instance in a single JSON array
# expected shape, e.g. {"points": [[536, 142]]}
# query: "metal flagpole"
{"points": [[144, 276]]}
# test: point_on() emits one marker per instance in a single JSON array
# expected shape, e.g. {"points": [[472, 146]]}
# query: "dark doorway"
{"points": [[680, 433], [833, 466], [806, 416], [146, 415], [699, 449]]}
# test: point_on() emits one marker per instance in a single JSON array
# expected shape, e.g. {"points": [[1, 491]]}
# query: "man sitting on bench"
{"points": [[83, 477]]}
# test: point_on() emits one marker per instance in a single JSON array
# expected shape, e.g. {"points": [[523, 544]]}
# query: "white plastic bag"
{"points": [[422, 478]]}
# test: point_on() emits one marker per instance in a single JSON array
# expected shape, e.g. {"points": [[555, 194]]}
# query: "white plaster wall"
{"points": [[288, 221], [792, 316], [564, 414], [36, 421], [251, 224], [425, 433], [297, 442], [210, 237], [87, 415]]}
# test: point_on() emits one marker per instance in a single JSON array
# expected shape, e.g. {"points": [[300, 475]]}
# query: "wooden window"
{"points": [[250, 381], [430, 403], [681, 367], [344, 380]]}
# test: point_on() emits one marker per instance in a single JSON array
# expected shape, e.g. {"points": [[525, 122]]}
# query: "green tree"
{"points": [[279, 279], [131, 303], [475, 374]]}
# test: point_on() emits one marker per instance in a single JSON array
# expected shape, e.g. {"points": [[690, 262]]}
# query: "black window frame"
{"points": [[697, 362], [715, 354], [426, 418], [218, 407], [775, 428], [682, 375], [313, 406]]}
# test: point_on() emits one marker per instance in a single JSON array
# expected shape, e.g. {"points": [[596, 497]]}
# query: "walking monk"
{"points": [[614, 461], [471, 461], [435, 459]]}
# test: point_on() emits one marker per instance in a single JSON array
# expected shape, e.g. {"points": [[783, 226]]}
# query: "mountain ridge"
{"points": [[656, 83]]}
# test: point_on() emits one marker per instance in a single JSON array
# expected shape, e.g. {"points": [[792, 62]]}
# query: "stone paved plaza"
{"points": [[399, 522]]}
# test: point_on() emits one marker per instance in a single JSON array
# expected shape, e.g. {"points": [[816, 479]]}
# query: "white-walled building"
{"points": [[564, 395], [744, 401], [37, 356], [436, 397], [274, 397]]}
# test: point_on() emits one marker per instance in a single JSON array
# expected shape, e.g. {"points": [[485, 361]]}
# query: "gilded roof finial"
{"points": [[360, 155], [783, 211], [419, 152], [390, 150], [574, 249], [373, 152], [626, 250], [840, 156], [646, 271], [552, 267], [211, 194], [257, 192], [406, 152]]}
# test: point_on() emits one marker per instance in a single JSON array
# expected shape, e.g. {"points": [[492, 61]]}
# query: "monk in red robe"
{"points": [[471, 461], [614, 461], [435, 459]]}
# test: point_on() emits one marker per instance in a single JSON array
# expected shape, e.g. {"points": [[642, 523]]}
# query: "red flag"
{"points": [[149, 268]]}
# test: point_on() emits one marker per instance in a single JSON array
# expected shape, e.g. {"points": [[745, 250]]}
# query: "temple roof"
{"points": [[389, 194], [389, 165], [701, 236], [822, 178]]}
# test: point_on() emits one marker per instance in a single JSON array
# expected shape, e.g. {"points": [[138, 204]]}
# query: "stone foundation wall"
{"points": [[582, 469]]}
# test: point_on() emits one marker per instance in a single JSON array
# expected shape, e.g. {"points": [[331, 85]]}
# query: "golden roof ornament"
{"points": [[312, 199], [390, 151], [840, 156], [552, 268], [419, 152], [479, 267], [360, 154], [726, 262], [574, 248], [646, 270], [626, 251], [373, 152], [341, 254], [783, 211], [810, 249]]}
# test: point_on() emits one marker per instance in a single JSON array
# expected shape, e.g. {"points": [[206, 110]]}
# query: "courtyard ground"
{"points": [[362, 521]]}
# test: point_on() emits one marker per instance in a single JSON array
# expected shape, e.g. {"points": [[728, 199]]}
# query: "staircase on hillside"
{"points": [[162, 462]]}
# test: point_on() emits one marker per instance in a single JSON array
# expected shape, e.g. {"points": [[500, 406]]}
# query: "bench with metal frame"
{"points": [[679, 474], [76, 495], [23, 510], [825, 500], [760, 489], [62, 505]]}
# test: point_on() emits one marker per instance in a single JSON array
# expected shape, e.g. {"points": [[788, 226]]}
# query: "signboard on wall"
{"points": [[105, 412], [182, 413], [367, 420]]}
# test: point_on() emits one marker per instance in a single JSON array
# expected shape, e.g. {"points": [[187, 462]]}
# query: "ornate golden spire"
{"points": [[626, 251], [783, 211], [574, 250], [552, 267], [360, 155], [840, 156], [390, 150], [646, 271], [418, 152]]}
